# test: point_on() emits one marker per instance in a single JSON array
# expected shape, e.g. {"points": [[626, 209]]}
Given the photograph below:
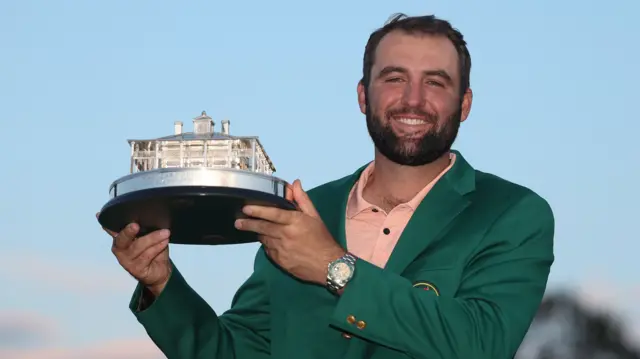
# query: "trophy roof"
{"points": [[189, 136]]}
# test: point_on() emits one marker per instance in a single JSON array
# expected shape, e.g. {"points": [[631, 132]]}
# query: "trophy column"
{"points": [[195, 184]]}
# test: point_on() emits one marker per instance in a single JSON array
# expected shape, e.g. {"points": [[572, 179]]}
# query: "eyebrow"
{"points": [[391, 69], [437, 73], [440, 73]]}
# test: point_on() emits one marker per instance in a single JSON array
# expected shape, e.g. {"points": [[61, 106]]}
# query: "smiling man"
{"points": [[414, 255]]}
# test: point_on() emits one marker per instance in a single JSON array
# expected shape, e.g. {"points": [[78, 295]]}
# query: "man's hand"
{"points": [[145, 258], [298, 241]]}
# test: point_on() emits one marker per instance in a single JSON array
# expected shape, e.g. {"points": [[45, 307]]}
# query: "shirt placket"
{"points": [[387, 236]]}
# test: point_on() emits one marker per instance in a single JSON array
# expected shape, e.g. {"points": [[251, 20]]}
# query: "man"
{"points": [[415, 255]]}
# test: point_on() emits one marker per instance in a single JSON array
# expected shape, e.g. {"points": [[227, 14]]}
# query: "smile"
{"points": [[410, 121]]}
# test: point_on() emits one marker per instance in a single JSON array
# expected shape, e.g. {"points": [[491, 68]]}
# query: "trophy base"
{"points": [[196, 215]]}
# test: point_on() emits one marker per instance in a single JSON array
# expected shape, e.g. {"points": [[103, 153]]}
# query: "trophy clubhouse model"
{"points": [[194, 184]]}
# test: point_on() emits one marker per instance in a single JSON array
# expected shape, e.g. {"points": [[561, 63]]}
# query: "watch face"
{"points": [[340, 271]]}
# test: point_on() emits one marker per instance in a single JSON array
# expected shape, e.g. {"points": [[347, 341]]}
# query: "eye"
{"points": [[434, 83], [394, 79]]}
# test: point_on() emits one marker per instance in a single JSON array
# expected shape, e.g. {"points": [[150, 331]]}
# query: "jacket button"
{"points": [[351, 319], [346, 336], [361, 324]]}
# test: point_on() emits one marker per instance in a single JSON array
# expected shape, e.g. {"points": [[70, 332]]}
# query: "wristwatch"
{"points": [[340, 272]]}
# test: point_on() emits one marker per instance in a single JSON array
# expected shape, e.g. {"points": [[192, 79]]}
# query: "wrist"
{"points": [[157, 288]]}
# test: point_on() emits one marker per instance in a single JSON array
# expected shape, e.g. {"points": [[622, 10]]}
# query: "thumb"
{"points": [[303, 200]]}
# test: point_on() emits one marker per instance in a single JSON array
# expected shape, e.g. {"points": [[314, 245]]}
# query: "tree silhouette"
{"points": [[564, 329]]}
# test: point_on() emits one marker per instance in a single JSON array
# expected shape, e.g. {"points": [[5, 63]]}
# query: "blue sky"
{"points": [[554, 109]]}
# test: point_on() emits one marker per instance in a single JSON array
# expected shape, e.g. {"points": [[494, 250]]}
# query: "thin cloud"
{"points": [[30, 335], [65, 275], [25, 329], [116, 349]]}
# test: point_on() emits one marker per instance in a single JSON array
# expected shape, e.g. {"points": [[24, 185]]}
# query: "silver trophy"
{"points": [[195, 184]]}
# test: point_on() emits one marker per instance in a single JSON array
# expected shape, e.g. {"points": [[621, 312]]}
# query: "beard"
{"points": [[411, 151]]}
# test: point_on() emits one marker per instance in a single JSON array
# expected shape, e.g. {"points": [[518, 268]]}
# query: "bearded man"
{"points": [[414, 255]]}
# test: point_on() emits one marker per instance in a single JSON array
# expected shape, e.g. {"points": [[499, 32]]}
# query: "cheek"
{"points": [[442, 105], [382, 100]]}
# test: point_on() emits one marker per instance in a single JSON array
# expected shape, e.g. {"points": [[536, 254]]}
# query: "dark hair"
{"points": [[426, 25]]}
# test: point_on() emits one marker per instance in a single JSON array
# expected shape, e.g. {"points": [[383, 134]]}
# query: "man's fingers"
{"points": [[288, 193], [124, 239], [142, 244], [150, 253], [271, 214], [258, 226], [303, 200]]}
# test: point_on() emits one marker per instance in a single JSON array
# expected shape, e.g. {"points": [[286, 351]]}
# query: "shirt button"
{"points": [[386, 231]]}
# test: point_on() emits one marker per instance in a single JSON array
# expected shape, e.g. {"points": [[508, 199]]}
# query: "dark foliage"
{"points": [[564, 329]]}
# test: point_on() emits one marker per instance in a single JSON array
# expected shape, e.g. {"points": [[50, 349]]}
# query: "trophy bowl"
{"points": [[198, 205]]}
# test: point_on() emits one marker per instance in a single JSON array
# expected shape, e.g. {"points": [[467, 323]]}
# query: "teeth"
{"points": [[412, 121]]}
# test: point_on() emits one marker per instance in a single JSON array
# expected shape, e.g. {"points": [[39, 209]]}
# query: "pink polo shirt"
{"points": [[371, 233]]}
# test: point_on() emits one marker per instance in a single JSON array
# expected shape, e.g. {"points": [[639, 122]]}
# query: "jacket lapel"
{"points": [[332, 205], [441, 206]]}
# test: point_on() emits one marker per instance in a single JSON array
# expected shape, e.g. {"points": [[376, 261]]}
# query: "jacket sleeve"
{"points": [[184, 326], [500, 291]]}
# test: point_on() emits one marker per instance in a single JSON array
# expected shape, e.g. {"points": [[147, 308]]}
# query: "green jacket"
{"points": [[464, 281]]}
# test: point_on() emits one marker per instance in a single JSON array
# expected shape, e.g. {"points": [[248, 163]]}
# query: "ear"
{"points": [[467, 99], [362, 97]]}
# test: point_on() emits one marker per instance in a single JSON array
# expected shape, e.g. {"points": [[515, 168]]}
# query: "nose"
{"points": [[413, 95]]}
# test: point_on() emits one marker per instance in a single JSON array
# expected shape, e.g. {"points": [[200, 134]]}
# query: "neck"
{"points": [[392, 184]]}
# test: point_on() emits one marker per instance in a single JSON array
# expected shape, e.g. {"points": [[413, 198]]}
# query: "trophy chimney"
{"points": [[177, 128], [225, 127], [203, 124]]}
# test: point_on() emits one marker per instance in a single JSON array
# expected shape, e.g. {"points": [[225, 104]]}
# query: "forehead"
{"points": [[416, 52]]}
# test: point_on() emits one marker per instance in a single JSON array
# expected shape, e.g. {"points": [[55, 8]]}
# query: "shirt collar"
{"points": [[357, 204]]}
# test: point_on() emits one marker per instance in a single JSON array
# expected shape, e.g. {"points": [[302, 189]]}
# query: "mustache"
{"points": [[429, 117]]}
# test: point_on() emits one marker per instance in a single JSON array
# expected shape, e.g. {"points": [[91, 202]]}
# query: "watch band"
{"points": [[332, 285], [349, 257]]}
